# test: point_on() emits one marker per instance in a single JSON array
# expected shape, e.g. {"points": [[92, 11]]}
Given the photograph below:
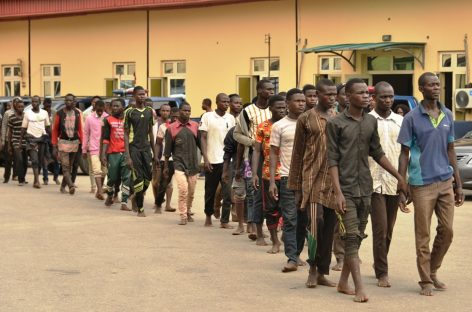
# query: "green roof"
{"points": [[363, 46]]}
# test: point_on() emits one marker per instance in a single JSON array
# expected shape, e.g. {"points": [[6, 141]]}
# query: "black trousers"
{"points": [[164, 182], [20, 161], [212, 179], [8, 161]]}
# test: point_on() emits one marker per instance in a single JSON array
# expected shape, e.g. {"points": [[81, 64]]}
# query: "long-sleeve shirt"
{"points": [[93, 133], [69, 122], [309, 168], [6, 116]]}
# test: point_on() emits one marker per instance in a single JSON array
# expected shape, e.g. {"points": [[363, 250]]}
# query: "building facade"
{"points": [[201, 48]]}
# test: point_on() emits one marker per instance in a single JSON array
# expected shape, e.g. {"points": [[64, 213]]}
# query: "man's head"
{"points": [[148, 102], [357, 93], [69, 101], [341, 97], [326, 92], [235, 104], [165, 111], [430, 86], [131, 102], [222, 102], [99, 107], [206, 104], [278, 107], [8, 106], [185, 111], [295, 101], [383, 96], [47, 102], [94, 100], [35, 101], [139, 95], [174, 114], [311, 97], [265, 89], [19, 106], [117, 107]]}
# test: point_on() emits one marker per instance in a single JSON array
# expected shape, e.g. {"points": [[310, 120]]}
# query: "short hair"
{"points": [[308, 87], [138, 88], [122, 102], [423, 77], [37, 97], [69, 94], [381, 84], [233, 95], [47, 101], [292, 92], [352, 82], [99, 103], [206, 101], [324, 82], [174, 109], [275, 98], [339, 87], [95, 97], [219, 96], [283, 93], [184, 103], [148, 100], [261, 83], [164, 104]]}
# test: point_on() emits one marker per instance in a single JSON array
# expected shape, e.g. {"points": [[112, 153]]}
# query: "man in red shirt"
{"points": [[113, 154]]}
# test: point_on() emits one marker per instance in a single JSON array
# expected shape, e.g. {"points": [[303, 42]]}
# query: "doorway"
{"points": [[402, 84], [446, 86]]}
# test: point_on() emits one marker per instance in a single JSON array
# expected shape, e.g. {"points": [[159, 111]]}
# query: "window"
{"points": [[51, 80], [390, 63], [330, 64], [461, 61], [11, 80], [446, 60], [377, 63], [262, 66], [403, 63], [175, 72], [125, 73], [451, 61]]}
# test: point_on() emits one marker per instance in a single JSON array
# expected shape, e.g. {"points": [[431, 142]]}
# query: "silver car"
{"points": [[463, 148]]}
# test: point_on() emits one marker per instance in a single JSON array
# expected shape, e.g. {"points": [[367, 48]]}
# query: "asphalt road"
{"points": [[71, 253]]}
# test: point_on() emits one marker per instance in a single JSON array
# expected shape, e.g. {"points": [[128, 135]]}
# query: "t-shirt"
{"points": [[138, 122], [182, 141], [428, 141], [161, 134], [282, 136], [113, 134], [36, 123], [216, 127], [14, 125], [263, 137]]}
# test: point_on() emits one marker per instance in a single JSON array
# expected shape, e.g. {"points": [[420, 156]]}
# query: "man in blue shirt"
{"points": [[427, 139]]}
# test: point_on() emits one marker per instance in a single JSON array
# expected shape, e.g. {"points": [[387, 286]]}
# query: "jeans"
{"points": [[294, 228], [20, 161]]}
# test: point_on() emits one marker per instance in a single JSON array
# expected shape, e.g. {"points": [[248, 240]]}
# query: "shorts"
{"points": [[239, 190]]}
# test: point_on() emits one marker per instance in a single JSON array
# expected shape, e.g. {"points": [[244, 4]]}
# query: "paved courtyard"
{"points": [[71, 253]]}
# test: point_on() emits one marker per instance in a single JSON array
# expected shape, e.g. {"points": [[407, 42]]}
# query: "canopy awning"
{"points": [[338, 49]]}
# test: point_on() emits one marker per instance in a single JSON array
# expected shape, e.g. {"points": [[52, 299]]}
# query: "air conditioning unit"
{"points": [[463, 98]]}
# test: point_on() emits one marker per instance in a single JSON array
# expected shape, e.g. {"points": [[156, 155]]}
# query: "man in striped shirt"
{"points": [[17, 145], [311, 182], [245, 133]]}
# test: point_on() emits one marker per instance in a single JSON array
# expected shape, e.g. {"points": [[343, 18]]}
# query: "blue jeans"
{"points": [[295, 222]]}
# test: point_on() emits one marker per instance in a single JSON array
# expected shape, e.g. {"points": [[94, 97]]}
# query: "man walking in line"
{"points": [[16, 142], [91, 145], [139, 141], [181, 141], [8, 160], [427, 139], [311, 182], [281, 145], [213, 127], [67, 135]]}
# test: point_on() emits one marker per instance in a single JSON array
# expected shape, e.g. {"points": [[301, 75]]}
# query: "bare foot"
{"points": [[312, 280], [345, 289], [361, 296], [239, 230], [437, 283], [252, 236], [109, 201], [208, 221], [63, 190], [322, 280], [383, 282], [226, 226], [124, 207], [275, 248], [134, 206], [300, 262], [99, 196], [141, 214], [426, 290], [157, 209], [36, 185], [290, 267], [72, 190], [116, 200], [338, 266], [261, 242], [170, 209]]}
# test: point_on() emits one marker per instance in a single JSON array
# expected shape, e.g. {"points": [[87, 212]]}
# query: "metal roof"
{"points": [[25, 9], [363, 46]]}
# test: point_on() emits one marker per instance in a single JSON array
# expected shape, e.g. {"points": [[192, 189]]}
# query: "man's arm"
{"points": [[241, 130], [153, 146], [334, 156], [385, 163], [104, 140], [24, 126], [256, 155], [458, 193], [86, 138], [402, 167], [204, 143], [239, 160], [273, 160]]}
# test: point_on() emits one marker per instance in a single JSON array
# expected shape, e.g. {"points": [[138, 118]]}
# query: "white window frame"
{"points": [[265, 71], [12, 79], [331, 70], [174, 75], [51, 79], [453, 68], [127, 75]]}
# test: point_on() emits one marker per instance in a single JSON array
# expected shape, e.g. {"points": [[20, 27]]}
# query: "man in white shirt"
{"points": [[214, 126], [384, 200], [35, 126], [281, 145]]}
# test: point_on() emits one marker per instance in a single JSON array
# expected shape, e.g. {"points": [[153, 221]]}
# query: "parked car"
{"points": [[407, 100], [463, 147]]}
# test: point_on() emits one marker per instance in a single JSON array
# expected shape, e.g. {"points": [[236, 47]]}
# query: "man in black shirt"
{"points": [[17, 145], [138, 144]]}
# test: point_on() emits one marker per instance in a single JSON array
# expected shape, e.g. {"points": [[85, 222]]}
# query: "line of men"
{"points": [[294, 161]]}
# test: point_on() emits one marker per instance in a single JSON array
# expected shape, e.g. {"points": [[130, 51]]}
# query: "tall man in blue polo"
{"points": [[427, 139]]}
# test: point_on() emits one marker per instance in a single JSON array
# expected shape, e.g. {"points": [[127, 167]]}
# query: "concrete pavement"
{"points": [[71, 253]]}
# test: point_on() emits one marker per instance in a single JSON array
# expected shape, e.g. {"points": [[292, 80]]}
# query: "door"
{"points": [[247, 88], [110, 85], [402, 84], [157, 87]]}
